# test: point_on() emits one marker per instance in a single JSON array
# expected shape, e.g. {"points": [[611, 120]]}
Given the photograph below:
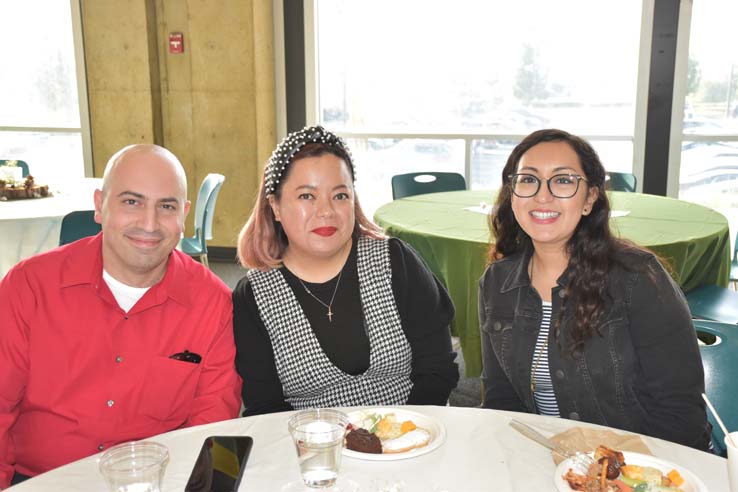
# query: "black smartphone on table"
{"points": [[220, 464]]}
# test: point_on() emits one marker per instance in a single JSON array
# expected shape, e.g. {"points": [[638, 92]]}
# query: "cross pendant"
{"points": [[330, 314]]}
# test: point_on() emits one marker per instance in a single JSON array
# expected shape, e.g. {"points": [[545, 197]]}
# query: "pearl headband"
{"points": [[291, 144]]}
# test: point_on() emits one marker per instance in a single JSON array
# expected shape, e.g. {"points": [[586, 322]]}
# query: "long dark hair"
{"points": [[591, 248]]}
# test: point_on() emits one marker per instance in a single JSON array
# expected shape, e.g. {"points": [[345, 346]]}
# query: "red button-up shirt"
{"points": [[78, 374]]}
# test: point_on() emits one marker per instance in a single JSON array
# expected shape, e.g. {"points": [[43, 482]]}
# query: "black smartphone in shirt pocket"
{"points": [[220, 464]]}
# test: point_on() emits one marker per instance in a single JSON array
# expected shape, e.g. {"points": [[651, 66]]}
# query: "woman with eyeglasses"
{"points": [[333, 313], [576, 322]]}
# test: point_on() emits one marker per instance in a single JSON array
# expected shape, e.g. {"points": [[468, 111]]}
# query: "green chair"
{"points": [[410, 184], [78, 224], [713, 303], [21, 164], [622, 182], [204, 212], [721, 376]]}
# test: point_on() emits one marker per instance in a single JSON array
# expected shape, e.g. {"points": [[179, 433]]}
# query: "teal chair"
{"points": [[713, 303], [622, 182], [734, 265], [431, 182], [21, 164], [78, 224], [720, 361], [204, 212]]}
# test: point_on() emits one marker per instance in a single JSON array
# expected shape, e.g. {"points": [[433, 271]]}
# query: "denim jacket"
{"points": [[640, 372]]}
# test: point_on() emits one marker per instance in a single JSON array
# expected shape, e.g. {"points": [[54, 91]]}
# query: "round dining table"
{"points": [[450, 231], [481, 452], [30, 226]]}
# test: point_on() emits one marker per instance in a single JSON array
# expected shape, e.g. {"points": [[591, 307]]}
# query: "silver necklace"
{"points": [[330, 312]]}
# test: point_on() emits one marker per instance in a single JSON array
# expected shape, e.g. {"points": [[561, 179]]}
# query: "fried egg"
{"points": [[388, 427], [410, 440]]}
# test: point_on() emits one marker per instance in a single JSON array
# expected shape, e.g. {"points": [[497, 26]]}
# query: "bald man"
{"points": [[115, 337]]}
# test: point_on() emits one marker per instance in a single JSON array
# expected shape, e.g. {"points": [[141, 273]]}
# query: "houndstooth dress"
{"points": [[309, 379]]}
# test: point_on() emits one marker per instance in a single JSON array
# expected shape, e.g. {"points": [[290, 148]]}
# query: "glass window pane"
{"points": [[490, 156], [38, 82], [709, 167], [477, 69], [711, 105], [53, 158], [488, 159], [709, 175], [616, 155], [377, 160], [478, 65]]}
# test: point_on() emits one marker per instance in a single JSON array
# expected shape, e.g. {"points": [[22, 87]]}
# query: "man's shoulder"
{"points": [[198, 278], [50, 264]]}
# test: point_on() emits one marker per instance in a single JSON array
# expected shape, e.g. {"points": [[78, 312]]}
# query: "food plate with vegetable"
{"points": [[386, 434], [641, 473]]}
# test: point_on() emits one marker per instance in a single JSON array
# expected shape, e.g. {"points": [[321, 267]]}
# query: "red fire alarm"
{"points": [[176, 42]]}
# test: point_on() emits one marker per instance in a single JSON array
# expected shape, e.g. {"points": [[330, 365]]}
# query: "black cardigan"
{"points": [[425, 313]]}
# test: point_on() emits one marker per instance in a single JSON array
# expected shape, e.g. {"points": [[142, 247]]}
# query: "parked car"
{"points": [[709, 169]]}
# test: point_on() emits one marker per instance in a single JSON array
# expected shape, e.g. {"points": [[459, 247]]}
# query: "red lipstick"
{"points": [[325, 231]]}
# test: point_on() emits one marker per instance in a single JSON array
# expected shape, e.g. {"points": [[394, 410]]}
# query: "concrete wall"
{"points": [[213, 105]]}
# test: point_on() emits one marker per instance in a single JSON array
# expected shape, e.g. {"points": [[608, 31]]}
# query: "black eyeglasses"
{"points": [[560, 185]]}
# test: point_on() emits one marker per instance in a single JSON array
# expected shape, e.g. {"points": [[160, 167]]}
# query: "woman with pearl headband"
{"points": [[331, 312]]}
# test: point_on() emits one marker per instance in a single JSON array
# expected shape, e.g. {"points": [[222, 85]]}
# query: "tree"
{"points": [[531, 79], [53, 84], [694, 74], [715, 91], [731, 110]]}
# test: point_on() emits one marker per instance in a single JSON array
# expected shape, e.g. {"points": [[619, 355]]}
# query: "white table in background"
{"points": [[481, 453], [31, 226]]}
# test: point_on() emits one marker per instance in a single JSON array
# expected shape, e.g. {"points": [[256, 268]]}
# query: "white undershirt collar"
{"points": [[125, 295]]}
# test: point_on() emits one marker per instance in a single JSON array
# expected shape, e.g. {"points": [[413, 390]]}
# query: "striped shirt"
{"points": [[543, 395]]}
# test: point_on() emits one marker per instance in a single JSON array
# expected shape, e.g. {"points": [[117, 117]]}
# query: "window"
{"points": [[40, 117], [419, 85], [708, 172]]}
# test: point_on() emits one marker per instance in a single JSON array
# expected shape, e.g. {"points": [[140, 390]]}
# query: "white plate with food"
{"points": [[691, 482], [402, 434]]}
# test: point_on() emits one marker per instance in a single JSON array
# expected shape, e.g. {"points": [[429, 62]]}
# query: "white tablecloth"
{"points": [[481, 453], [31, 226]]}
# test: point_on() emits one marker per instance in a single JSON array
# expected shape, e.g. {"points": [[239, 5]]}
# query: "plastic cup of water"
{"points": [[318, 436], [134, 466]]}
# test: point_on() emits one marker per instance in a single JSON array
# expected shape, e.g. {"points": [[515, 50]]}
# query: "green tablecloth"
{"points": [[454, 242]]}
